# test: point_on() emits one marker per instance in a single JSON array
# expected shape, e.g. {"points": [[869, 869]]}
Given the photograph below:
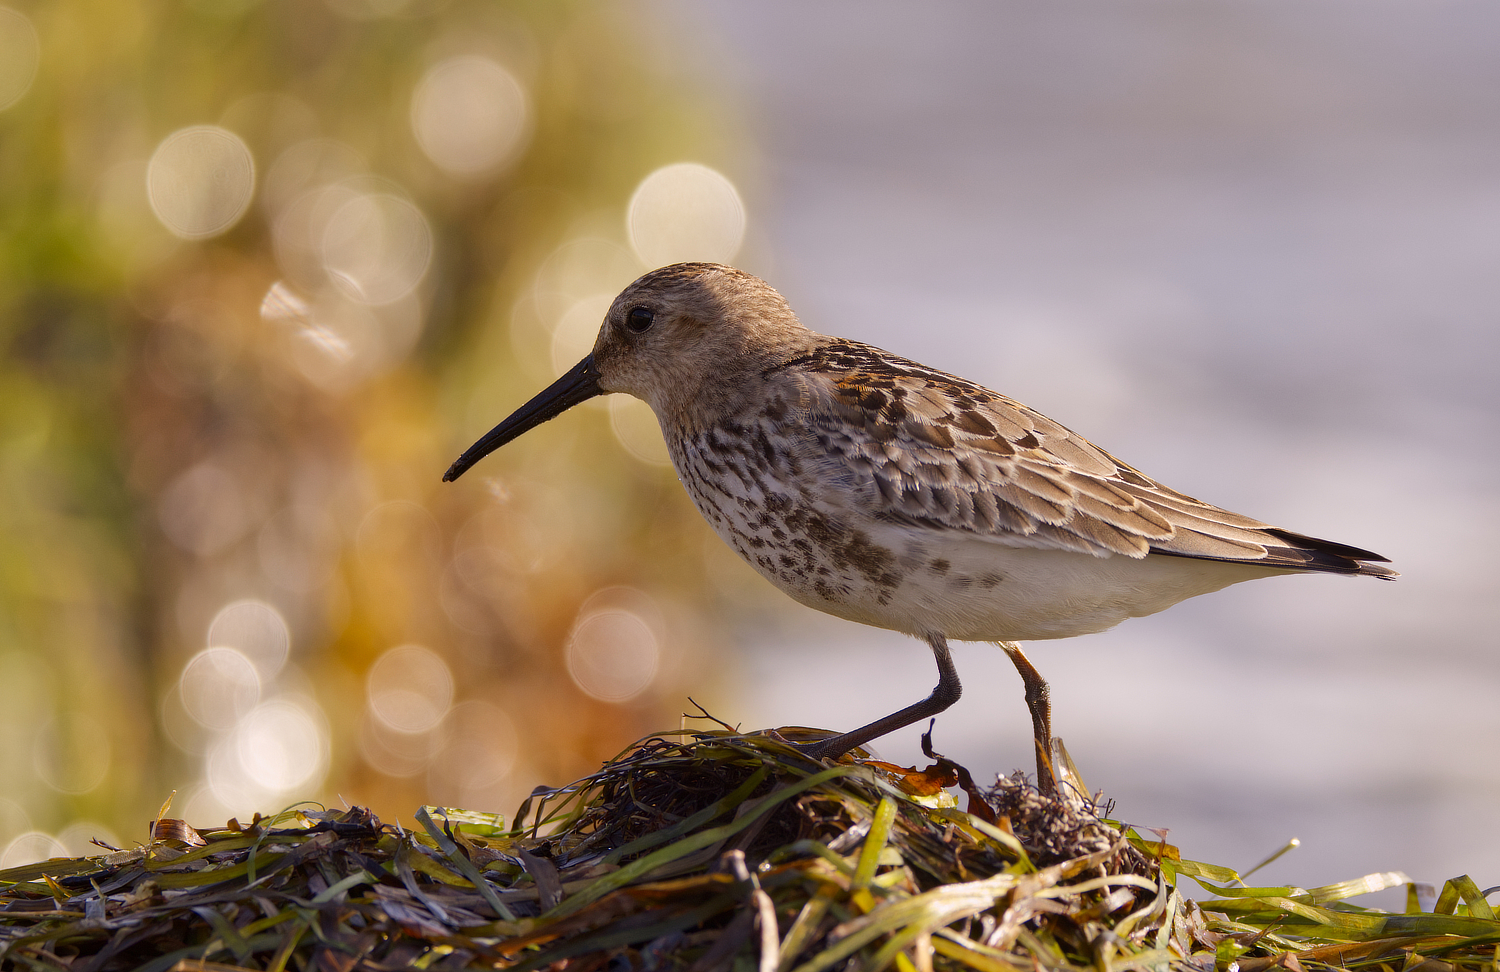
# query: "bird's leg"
{"points": [[1039, 701], [945, 694]]}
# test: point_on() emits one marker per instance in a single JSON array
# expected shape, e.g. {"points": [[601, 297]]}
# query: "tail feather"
{"points": [[1337, 558], [1297, 551]]}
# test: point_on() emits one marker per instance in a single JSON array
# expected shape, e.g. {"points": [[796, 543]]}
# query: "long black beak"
{"points": [[578, 385]]}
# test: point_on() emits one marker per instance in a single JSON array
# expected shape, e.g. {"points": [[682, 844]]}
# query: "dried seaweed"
{"points": [[712, 851]]}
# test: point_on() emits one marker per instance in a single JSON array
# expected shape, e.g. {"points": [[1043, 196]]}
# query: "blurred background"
{"points": [[268, 266]]}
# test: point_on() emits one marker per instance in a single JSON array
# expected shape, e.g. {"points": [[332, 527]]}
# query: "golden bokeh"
{"points": [[268, 268]]}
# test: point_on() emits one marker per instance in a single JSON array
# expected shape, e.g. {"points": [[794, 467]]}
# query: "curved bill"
{"points": [[578, 385]]}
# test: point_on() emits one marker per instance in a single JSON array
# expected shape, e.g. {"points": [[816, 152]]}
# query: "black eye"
{"points": [[639, 319]]}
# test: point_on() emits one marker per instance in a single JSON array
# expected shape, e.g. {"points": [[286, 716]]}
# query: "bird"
{"points": [[888, 493]]}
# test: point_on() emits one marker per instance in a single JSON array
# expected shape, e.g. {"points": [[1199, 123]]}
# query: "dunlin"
{"points": [[886, 492]]}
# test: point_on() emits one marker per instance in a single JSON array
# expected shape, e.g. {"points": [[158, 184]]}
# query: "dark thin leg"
{"points": [[944, 695], [1039, 701]]}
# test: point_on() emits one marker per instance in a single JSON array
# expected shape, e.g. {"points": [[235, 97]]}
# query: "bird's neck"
{"points": [[736, 391]]}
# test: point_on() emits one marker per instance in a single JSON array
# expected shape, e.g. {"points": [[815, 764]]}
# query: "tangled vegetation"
{"points": [[712, 851]]}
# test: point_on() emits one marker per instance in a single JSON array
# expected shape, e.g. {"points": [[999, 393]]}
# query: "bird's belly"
{"points": [[968, 589], [981, 590]]}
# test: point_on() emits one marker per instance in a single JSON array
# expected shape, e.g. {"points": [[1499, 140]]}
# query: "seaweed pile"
{"points": [[706, 852]]}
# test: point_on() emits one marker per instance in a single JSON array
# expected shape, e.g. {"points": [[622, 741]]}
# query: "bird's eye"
{"points": [[639, 319]]}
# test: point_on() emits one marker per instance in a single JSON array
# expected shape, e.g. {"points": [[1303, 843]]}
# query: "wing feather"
{"points": [[928, 448]]}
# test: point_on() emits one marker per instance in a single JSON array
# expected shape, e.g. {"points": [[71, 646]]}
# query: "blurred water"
{"points": [[1252, 248]]}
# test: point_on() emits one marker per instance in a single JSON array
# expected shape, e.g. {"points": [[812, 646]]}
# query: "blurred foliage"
{"points": [[165, 449]]}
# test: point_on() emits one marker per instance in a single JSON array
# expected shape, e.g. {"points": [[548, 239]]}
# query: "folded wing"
{"points": [[933, 449]]}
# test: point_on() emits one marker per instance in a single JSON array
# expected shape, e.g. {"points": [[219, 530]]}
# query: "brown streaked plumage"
{"points": [[889, 493]]}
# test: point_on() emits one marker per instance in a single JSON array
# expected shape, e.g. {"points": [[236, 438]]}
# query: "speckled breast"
{"points": [[751, 487]]}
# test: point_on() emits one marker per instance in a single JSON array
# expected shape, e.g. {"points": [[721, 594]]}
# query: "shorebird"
{"points": [[885, 492]]}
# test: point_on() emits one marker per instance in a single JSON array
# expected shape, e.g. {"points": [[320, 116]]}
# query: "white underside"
{"points": [[994, 592]]}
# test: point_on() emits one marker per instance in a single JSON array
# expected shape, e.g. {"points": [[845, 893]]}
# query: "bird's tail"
{"points": [[1310, 553]]}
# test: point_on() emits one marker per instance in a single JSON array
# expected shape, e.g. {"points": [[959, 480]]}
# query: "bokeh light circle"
{"points": [[30, 847], [469, 115], [256, 630], [307, 166], [613, 655], [575, 332], [280, 749], [297, 235], [410, 689], [395, 753], [204, 510], [581, 268], [200, 181], [72, 753], [636, 428], [377, 247], [20, 53], [219, 687], [281, 746], [685, 212]]}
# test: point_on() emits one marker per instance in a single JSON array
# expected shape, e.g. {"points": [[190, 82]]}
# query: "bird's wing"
{"points": [[929, 448]]}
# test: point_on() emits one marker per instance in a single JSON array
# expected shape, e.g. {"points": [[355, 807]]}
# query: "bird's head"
{"points": [[683, 339]]}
